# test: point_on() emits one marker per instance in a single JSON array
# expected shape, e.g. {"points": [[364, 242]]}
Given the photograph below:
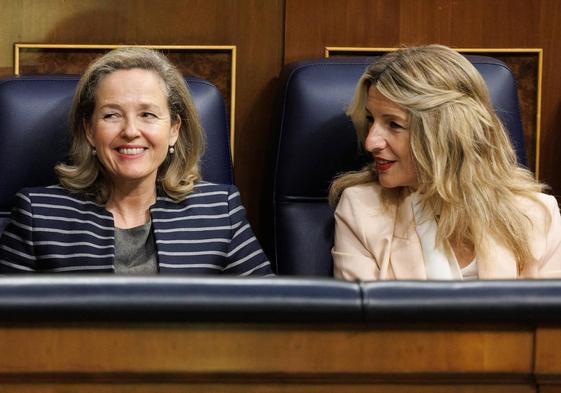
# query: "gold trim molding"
{"points": [[18, 47], [362, 51]]}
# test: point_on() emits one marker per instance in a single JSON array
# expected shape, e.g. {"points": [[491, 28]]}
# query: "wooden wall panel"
{"points": [[254, 26], [549, 32], [255, 357], [254, 387], [314, 24]]}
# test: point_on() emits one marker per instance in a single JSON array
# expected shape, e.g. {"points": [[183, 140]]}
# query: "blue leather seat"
{"points": [[34, 132], [316, 141]]}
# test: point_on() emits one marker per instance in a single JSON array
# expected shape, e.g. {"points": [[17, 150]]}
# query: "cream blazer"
{"points": [[374, 243]]}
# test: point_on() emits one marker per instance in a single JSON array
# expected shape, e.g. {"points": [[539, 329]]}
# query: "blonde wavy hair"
{"points": [[468, 175], [178, 173]]}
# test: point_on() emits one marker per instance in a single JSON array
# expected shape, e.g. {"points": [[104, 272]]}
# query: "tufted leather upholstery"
{"points": [[316, 141], [34, 135]]}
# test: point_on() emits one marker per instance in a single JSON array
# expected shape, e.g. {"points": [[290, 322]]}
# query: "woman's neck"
{"points": [[131, 206]]}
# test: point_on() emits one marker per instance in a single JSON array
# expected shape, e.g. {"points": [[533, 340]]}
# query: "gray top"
{"points": [[135, 250]]}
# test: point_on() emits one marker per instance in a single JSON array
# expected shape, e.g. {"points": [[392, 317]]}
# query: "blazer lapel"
{"points": [[406, 255]]}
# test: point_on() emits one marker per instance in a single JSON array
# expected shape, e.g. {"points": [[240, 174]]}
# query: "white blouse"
{"points": [[437, 265]]}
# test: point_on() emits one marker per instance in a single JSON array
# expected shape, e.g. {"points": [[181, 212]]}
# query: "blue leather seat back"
{"points": [[317, 141], [34, 132]]}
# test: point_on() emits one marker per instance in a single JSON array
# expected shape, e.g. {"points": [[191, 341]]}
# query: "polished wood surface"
{"points": [[280, 387], [249, 349], [548, 348], [295, 358]]}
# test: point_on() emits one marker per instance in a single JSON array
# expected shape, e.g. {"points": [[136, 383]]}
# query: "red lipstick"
{"points": [[383, 165]]}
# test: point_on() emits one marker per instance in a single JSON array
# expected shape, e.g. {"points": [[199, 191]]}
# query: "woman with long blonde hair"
{"points": [[444, 197]]}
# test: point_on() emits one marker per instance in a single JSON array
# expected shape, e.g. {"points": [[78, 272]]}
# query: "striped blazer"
{"points": [[52, 230]]}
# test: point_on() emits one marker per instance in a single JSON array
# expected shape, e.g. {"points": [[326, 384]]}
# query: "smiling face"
{"points": [[388, 141], [131, 127]]}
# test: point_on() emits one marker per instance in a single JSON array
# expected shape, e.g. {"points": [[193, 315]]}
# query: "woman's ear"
{"points": [[88, 130], [174, 131]]}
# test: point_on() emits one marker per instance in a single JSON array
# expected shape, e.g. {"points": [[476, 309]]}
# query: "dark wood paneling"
{"points": [[469, 23], [191, 357], [549, 29], [268, 387], [314, 24]]}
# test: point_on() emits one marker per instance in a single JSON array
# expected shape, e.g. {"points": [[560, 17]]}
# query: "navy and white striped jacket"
{"points": [[52, 230]]}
